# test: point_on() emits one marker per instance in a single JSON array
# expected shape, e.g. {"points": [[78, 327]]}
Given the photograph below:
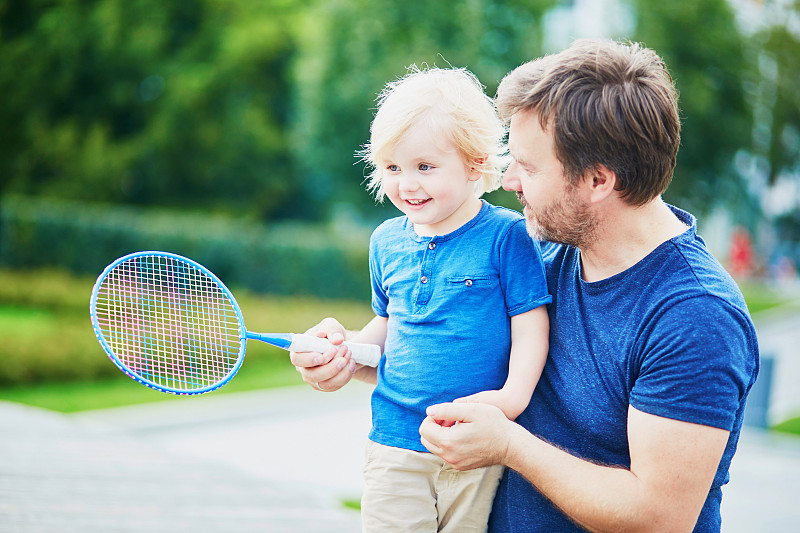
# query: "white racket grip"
{"points": [[365, 354]]}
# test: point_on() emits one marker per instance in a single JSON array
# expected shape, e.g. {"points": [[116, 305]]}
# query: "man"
{"points": [[652, 352]]}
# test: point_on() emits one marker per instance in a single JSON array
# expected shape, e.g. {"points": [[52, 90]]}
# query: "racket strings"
{"points": [[169, 322]]}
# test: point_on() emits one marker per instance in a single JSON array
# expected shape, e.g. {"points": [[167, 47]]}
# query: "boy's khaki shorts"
{"points": [[407, 491]]}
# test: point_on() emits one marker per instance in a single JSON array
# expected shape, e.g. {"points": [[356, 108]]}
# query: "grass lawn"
{"points": [[760, 298], [117, 391], [44, 323], [352, 504], [791, 426], [51, 358]]}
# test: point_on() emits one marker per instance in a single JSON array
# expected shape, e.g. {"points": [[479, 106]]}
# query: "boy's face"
{"points": [[426, 178]]}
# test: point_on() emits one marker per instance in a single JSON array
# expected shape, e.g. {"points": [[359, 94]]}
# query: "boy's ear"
{"points": [[475, 170]]}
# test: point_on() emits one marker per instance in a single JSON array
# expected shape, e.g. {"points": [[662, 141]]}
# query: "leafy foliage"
{"points": [[259, 107], [353, 47], [146, 102], [704, 51], [47, 335], [289, 258], [780, 61]]}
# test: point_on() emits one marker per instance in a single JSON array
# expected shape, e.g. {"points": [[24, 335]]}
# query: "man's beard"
{"points": [[564, 221]]}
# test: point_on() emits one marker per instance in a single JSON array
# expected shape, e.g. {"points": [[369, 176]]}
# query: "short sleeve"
{"points": [[697, 363], [380, 300], [522, 271]]}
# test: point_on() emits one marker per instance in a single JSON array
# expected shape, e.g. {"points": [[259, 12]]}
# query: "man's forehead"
{"points": [[523, 129], [528, 118]]}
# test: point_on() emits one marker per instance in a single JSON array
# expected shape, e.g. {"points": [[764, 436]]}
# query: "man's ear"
{"points": [[600, 182]]}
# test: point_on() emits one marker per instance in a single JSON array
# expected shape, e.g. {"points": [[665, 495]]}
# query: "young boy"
{"points": [[459, 314]]}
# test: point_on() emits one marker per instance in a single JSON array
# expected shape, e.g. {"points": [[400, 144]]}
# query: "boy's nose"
{"points": [[408, 183]]}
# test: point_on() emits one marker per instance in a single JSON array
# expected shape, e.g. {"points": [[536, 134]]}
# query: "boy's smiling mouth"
{"points": [[417, 202]]}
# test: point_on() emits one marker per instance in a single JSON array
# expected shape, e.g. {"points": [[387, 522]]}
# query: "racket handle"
{"points": [[365, 354]]}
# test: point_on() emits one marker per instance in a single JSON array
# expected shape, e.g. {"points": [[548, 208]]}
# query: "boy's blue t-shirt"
{"points": [[671, 336], [449, 302]]}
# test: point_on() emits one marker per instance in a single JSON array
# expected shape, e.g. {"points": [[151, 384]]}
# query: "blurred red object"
{"points": [[741, 254]]}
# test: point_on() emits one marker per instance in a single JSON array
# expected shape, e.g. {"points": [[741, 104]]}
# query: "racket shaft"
{"points": [[364, 354]]}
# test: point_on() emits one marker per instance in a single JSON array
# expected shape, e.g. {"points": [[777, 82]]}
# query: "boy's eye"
{"points": [[425, 166], [392, 168]]}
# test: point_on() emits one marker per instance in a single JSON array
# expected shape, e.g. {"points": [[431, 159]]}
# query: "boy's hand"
{"points": [[327, 371]]}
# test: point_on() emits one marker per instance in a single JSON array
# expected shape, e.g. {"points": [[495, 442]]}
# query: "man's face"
{"points": [[554, 209]]}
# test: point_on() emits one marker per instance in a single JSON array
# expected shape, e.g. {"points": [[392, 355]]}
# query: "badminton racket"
{"points": [[172, 325]]}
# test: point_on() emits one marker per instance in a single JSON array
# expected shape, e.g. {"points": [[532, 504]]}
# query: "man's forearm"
{"points": [[673, 464], [598, 497]]}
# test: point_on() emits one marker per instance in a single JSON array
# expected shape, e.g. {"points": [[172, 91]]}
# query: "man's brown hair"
{"points": [[607, 103]]}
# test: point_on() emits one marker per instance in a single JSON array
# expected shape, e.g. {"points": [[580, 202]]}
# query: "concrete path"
{"points": [[284, 461], [296, 437], [61, 474], [763, 495], [279, 460]]}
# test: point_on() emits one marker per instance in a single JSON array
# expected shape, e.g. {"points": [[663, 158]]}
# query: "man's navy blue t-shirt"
{"points": [[670, 336]]}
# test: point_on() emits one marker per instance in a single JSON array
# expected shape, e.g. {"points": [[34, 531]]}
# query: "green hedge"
{"points": [[287, 259], [46, 335]]}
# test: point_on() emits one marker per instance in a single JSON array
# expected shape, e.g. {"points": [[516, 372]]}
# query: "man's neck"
{"points": [[625, 236]]}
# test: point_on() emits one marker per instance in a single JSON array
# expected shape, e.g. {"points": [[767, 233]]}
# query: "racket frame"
{"points": [[134, 375]]}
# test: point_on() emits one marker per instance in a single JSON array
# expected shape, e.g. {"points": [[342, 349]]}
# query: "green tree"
{"points": [[350, 48], [779, 75], [705, 52], [147, 102], [776, 139]]}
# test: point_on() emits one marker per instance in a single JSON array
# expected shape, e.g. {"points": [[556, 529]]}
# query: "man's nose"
{"points": [[511, 181]]}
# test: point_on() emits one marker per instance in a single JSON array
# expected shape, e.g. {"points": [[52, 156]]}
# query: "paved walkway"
{"points": [[262, 461], [284, 460], [63, 474]]}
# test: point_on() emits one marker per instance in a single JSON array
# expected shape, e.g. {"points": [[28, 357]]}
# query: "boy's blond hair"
{"points": [[451, 100]]}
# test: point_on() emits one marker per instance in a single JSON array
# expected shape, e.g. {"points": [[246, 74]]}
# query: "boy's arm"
{"points": [[530, 334], [373, 333]]}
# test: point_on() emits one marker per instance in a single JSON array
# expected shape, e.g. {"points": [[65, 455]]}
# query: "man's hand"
{"points": [[479, 437]]}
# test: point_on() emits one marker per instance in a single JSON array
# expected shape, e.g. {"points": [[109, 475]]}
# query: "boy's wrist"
{"points": [[514, 401]]}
